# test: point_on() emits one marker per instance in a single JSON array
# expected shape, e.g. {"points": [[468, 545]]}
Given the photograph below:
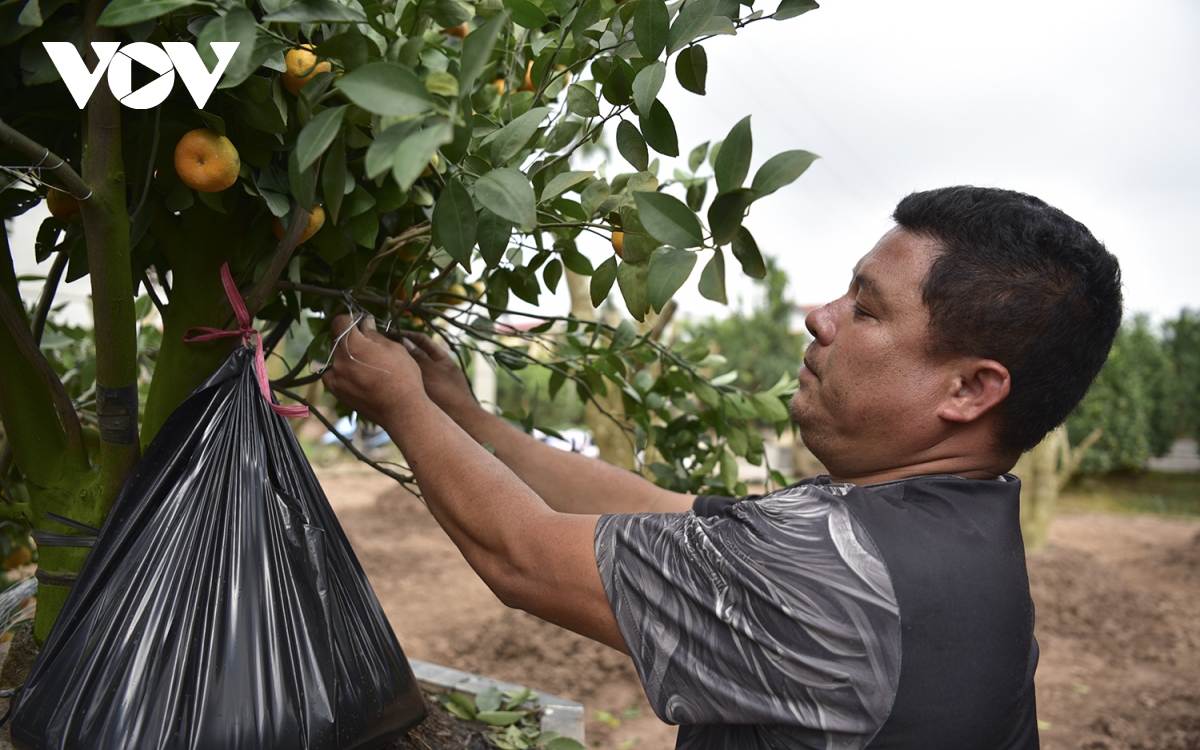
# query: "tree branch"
{"points": [[29, 350], [48, 292], [401, 478], [279, 260], [391, 245]]}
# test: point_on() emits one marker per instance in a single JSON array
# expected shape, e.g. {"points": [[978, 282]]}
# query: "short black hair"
{"points": [[1018, 281]]}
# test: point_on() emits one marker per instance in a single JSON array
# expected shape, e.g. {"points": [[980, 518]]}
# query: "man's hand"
{"points": [[370, 373], [445, 383]]}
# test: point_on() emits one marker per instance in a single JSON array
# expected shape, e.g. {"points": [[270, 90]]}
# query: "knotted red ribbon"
{"points": [[250, 337]]}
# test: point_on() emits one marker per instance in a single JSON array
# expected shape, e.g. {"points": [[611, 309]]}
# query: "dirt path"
{"points": [[1118, 603]]}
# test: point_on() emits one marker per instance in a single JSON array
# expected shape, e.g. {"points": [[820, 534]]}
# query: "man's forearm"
{"points": [[568, 482]]}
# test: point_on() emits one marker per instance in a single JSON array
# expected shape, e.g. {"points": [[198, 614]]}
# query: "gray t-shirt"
{"points": [[772, 624]]}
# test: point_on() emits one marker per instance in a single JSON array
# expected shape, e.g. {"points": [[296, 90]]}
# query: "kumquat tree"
{"points": [[417, 160]]}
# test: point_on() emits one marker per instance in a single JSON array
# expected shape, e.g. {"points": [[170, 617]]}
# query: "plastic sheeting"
{"points": [[222, 606]]}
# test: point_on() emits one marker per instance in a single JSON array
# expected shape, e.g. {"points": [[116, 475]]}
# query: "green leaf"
{"points": [[511, 139], [508, 194], [129, 12], [526, 14], [792, 8], [632, 278], [454, 223], [745, 249], [733, 160], [415, 151], [780, 170], [489, 699], [696, 157], [316, 11], [350, 47], [562, 183], [476, 49], [669, 268], [671, 222], [618, 87], [659, 129], [689, 23], [712, 279], [582, 102], [729, 468], [447, 13], [442, 83], [602, 281], [587, 15], [575, 260], [386, 88], [632, 146], [333, 178], [564, 743], [593, 196], [552, 274], [500, 718], [651, 22], [695, 195], [638, 243], [238, 25], [382, 150], [647, 84], [318, 134], [691, 68], [770, 407], [494, 233], [623, 337], [726, 213], [301, 182]]}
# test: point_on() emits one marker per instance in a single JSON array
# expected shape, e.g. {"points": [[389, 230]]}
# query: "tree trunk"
{"points": [[1044, 471]]}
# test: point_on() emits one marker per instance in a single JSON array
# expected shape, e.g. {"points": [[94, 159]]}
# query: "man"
{"points": [[883, 605]]}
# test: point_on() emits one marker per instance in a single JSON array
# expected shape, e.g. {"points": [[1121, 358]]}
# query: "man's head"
{"points": [[982, 317]]}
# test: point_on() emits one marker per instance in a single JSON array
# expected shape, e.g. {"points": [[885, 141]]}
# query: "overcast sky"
{"points": [[1092, 105]]}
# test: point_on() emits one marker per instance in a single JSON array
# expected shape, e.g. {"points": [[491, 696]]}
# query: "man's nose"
{"points": [[820, 324]]}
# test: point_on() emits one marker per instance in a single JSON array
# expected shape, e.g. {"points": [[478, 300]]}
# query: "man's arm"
{"points": [[532, 557], [568, 482]]}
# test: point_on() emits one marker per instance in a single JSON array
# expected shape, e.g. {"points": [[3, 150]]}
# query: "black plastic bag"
{"points": [[221, 606]]}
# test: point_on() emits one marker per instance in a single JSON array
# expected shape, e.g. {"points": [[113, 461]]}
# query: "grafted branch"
{"points": [[46, 159]]}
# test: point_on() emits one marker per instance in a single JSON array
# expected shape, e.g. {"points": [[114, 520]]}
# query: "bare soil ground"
{"points": [[1118, 605]]}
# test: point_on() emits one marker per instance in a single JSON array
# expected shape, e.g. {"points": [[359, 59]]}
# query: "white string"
{"points": [[338, 340]]}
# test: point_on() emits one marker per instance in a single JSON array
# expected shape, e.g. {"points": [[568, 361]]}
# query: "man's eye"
{"points": [[861, 313]]}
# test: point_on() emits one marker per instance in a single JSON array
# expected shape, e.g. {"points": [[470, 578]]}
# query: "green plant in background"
{"points": [[512, 717], [1133, 401], [761, 345], [390, 170], [1182, 340]]}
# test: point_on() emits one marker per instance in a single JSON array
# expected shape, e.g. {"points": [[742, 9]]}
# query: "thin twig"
{"points": [[401, 478], [389, 246], [48, 291]]}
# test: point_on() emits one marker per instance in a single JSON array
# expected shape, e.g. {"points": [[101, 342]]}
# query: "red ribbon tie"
{"points": [[250, 337]]}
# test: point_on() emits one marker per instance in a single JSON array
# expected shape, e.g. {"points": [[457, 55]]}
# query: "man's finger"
{"points": [[427, 346], [339, 324]]}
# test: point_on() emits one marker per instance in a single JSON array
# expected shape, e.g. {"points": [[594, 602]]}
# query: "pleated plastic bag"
{"points": [[221, 606]]}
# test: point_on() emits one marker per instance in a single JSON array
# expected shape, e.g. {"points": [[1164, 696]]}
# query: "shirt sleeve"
{"points": [[776, 610]]}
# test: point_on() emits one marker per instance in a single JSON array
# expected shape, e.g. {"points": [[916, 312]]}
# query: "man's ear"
{"points": [[978, 386]]}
